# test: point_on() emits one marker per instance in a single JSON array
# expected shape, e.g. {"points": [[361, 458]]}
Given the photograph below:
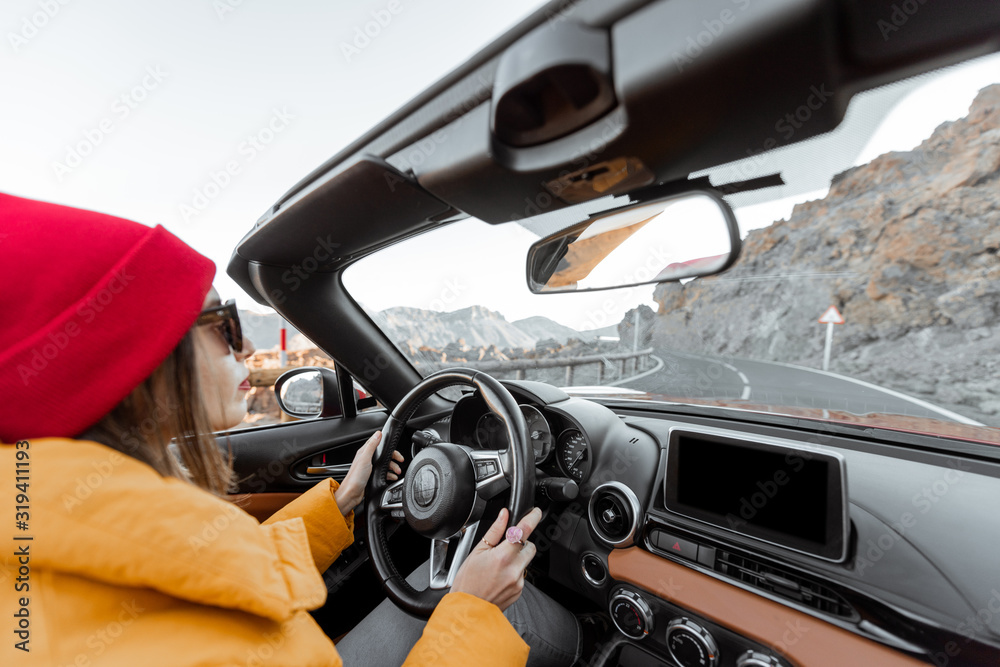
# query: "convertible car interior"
{"points": [[683, 532]]}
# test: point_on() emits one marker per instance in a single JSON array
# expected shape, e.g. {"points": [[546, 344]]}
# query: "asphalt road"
{"points": [[761, 382]]}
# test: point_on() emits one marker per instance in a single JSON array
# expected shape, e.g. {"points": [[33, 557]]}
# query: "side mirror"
{"points": [[681, 236], [309, 392]]}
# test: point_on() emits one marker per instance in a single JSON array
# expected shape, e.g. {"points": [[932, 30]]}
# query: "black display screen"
{"points": [[790, 497]]}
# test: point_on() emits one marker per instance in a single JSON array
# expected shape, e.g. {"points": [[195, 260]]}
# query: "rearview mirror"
{"points": [[682, 236], [308, 392]]}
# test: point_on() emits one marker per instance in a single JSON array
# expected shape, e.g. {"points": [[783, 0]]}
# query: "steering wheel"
{"points": [[444, 493]]}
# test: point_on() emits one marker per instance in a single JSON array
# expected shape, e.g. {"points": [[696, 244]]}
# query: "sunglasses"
{"points": [[229, 318]]}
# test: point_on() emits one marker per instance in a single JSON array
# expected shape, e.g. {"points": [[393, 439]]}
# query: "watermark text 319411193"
{"points": [[22, 550]]}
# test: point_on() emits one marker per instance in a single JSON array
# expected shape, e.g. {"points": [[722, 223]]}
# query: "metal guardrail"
{"points": [[305, 407], [618, 361]]}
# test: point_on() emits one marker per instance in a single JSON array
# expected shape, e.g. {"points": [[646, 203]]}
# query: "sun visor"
{"points": [[339, 217]]}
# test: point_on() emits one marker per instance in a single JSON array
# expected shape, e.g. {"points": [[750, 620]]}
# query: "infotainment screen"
{"points": [[789, 496]]}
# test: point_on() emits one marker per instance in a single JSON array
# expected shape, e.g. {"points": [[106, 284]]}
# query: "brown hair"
{"points": [[167, 406]]}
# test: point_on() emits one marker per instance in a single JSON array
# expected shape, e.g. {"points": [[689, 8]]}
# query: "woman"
{"points": [[125, 551]]}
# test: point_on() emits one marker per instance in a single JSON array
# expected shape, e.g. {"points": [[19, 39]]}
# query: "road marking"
{"points": [[655, 369], [954, 416], [746, 383]]}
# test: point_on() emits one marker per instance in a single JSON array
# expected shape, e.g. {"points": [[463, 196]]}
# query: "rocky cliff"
{"points": [[542, 328], [905, 246], [475, 326]]}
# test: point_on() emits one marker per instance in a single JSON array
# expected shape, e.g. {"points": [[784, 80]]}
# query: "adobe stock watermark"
{"points": [[562, 12], [133, 439], [449, 294], [323, 252], [264, 651], [426, 147], [57, 341], [565, 523], [372, 370], [122, 107], [258, 480], [874, 550], [370, 30], [32, 25], [613, 125], [87, 484], [440, 645], [210, 530], [415, 156], [706, 382], [898, 17], [973, 626], [247, 151], [793, 634], [638, 277], [101, 640], [787, 126]]}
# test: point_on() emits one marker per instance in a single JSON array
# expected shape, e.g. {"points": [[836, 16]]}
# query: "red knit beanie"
{"points": [[90, 305]]}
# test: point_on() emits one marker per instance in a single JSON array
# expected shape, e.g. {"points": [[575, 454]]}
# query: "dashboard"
{"points": [[715, 542], [560, 444]]}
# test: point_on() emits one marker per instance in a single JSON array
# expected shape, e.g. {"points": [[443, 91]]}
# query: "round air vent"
{"points": [[614, 514]]}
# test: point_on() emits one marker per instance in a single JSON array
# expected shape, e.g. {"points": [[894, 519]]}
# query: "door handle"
{"points": [[335, 470]]}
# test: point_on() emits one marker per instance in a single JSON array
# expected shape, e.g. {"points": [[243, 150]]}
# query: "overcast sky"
{"points": [[131, 108], [219, 77]]}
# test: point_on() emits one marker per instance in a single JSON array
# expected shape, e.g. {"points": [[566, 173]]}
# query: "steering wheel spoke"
{"points": [[443, 573], [392, 499], [492, 472]]}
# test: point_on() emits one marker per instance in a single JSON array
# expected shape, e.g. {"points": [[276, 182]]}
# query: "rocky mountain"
{"points": [[475, 333], [476, 326], [905, 246], [542, 328], [627, 331]]}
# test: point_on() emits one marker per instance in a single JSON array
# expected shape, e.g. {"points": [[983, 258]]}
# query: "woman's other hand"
{"points": [[352, 489], [496, 573]]}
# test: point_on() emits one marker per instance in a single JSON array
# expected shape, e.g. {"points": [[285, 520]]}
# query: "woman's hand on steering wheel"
{"points": [[352, 489], [494, 569]]}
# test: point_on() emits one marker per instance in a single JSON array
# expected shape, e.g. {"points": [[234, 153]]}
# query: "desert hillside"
{"points": [[905, 246]]}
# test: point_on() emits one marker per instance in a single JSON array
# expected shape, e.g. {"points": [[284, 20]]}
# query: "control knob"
{"points": [[690, 644]]}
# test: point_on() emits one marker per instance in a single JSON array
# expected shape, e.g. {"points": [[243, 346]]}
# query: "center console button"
{"points": [[673, 544]]}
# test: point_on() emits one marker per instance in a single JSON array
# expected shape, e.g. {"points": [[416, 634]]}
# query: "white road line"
{"points": [[944, 412], [954, 416], [746, 383], [655, 369]]}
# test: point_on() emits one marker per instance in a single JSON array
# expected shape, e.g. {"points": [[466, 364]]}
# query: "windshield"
{"points": [[867, 289]]}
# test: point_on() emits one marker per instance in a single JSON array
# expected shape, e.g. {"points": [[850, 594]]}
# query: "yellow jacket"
{"points": [[116, 565]]}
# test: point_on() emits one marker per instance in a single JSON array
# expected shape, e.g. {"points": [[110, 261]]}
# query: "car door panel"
{"points": [[276, 459]]}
